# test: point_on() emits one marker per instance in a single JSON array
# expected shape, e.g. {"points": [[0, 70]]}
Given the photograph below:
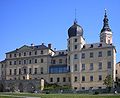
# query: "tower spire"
{"points": [[105, 23]]}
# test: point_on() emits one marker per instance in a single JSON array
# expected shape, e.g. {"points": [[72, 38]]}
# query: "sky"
{"points": [[23, 22]]}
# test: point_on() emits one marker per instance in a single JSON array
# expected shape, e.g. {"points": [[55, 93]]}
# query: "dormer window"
{"points": [[100, 45], [83, 46], [91, 46]]}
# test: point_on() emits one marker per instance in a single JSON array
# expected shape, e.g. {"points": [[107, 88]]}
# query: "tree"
{"points": [[108, 82]]}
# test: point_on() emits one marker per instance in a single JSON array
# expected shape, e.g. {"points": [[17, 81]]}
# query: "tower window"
{"points": [[41, 51], [75, 47], [41, 70], [75, 56], [10, 62], [75, 40]]}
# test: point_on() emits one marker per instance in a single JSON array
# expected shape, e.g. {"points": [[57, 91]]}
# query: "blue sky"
{"points": [[23, 22]]}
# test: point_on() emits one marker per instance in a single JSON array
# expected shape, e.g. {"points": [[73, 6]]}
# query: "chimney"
{"points": [[49, 46]]}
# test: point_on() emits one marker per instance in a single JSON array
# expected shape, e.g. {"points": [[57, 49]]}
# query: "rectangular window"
{"points": [[35, 60], [60, 61], [35, 52], [109, 53], [75, 67], [24, 61], [10, 62], [35, 72], [109, 65], [64, 79], [100, 66], [15, 55], [83, 78], [41, 51], [15, 63], [91, 54], [19, 54], [83, 55], [54, 61], [75, 47], [42, 60], [91, 66], [15, 71], [91, 78], [51, 79], [83, 67], [25, 71], [24, 53], [10, 55], [10, 71], [75, 79], [19, 71], [100, 54], [30, 61], [100, 77], [30, 70], [41, 70], [19, 62], [75, 40], [58, 79], [30, 53], [75, 56]]}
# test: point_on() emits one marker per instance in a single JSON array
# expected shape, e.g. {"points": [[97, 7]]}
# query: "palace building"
{"points": [[82, 66]]}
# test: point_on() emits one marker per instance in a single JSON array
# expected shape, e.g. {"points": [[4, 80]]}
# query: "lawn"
{"points": [[26, 95]]}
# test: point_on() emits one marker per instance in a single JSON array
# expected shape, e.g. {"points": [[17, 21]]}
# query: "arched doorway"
{"points": [[1, 87], [20, 87], [30, 87]]}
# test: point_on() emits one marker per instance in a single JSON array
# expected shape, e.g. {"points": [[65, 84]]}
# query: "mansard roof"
{"points": [[29, 48]]}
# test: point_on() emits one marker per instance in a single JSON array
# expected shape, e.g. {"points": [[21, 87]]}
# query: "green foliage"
{"points": [[55, 87], [108, 82]]}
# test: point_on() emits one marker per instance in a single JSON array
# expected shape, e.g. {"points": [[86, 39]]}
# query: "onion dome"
{"points": [[75, 30], [105, 23]]}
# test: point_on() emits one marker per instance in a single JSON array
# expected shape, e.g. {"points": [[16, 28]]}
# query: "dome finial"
{"points": [[105, 13], [75, 21]]}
